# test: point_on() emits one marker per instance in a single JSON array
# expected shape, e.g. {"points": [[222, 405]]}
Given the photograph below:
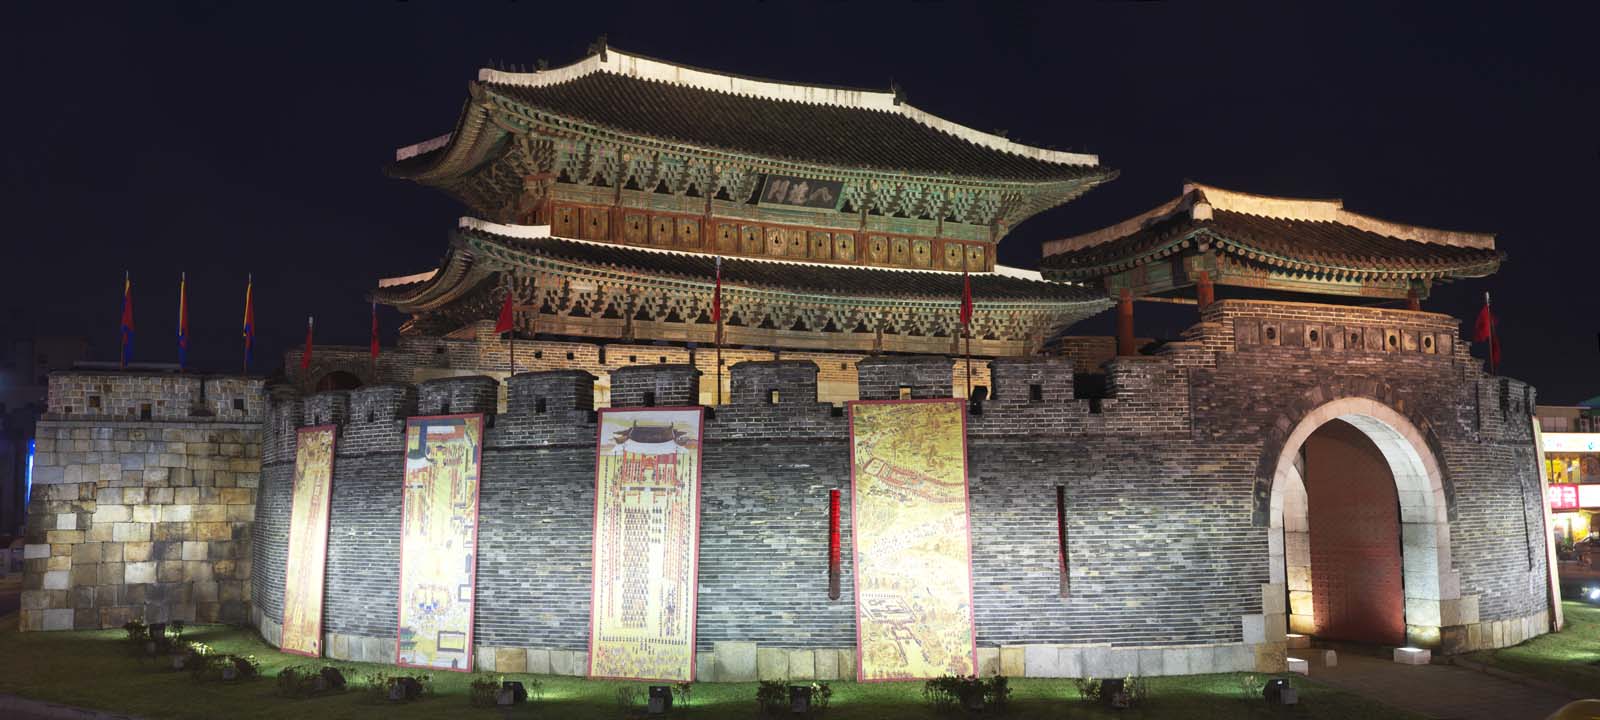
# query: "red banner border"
{"points": [[855, 547], [594, 528], [477, 508], [327, 530]]}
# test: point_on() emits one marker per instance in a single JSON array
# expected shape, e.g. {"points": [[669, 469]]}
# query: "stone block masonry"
{"points": [[144, 500]]}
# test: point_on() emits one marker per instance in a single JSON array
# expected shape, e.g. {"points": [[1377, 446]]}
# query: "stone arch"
{"points": [[360, 369], [1277, 435], [1429, 579]]}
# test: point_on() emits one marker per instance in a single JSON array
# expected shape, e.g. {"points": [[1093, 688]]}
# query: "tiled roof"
{"points": [[794, 276], [858, 129], [784, 130], [1309, 242]]}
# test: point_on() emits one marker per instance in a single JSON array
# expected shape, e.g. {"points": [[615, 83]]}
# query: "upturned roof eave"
{"points": [[462, 271]]}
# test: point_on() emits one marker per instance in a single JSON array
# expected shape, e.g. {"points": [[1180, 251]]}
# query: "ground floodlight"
{"points": [[330, 679], [511, 692], [1278, 691], [660, 699], [1113, 693], [800, 699], [404, 688]]}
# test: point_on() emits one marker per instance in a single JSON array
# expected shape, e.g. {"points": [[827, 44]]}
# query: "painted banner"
{"points": [[439, 541], [913, 553], [646, 544], [308, 541]]}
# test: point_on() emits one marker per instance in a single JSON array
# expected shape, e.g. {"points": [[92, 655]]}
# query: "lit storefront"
{"points": [[1572, 466]]}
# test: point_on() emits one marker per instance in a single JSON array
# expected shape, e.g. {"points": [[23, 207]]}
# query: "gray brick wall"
{"points": [[1164, 481]]}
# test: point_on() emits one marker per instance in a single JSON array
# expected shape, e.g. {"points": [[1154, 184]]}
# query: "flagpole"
{"points": [[716, 299], [966, 327], [1493, 369], [122, 353], [510, 290], [249, 321], [183, 316]]}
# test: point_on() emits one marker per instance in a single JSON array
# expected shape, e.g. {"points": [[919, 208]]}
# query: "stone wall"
{"points": [[478, 350], [142, 518], [1173, 562]]}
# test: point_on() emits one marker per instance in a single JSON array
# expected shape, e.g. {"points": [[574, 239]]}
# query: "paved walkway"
{"points": [[1438, 691]]}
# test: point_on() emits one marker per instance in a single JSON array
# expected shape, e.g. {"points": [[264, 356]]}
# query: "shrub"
{"points": [[1088, 688], [224, 667], [682, 693], [949, 692], [485, 689], [137, 631], [375, 686], [297, 681], [1137, 690], [772, 697], [246, 666], [998, 692], [1250, 687], [628, 697], [821, 693]]}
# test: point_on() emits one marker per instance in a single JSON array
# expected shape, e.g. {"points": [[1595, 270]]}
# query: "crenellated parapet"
{"points": [[458, 395], [284, 417], [655, 386], [917, 376], [377, 418], [326, 408], [546, 408], [124, 396], [775, 399]]}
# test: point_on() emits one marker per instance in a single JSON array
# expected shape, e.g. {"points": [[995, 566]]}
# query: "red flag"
{"points": [[506, 322], [249, 321], [305, 355], [127, 319], [374, 330], [1483, 330], [183, 320], [966, 298]]}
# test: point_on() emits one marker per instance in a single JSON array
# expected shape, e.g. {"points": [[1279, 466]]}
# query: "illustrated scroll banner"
{"points": [[913, 550], [646, 544], [308, 541], [439, 541]]}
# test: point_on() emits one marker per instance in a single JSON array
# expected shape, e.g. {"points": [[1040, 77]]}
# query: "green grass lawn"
{"points": [[97, 669], [1566, 658]]}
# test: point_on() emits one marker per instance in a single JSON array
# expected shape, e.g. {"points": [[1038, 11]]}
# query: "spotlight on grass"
{"points": [[660, 699], [1279, 692], [512, 692], [800, 699]]}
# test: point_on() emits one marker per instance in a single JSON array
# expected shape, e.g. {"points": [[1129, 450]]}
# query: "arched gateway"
{"points": [[1424, 529]]}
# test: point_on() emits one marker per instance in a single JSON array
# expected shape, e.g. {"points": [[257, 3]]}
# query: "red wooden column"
{"points": [[1413, 299], [1125, 323], [1205, 293]]}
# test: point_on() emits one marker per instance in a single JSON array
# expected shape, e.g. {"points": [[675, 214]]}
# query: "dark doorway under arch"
{"points": [[338, 380], [1353, 523]]}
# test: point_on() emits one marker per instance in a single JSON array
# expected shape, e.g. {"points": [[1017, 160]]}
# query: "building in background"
{"points": [[24, 378]]}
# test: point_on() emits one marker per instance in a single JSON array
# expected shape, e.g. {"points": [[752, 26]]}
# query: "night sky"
{"points": [[251, 137]]}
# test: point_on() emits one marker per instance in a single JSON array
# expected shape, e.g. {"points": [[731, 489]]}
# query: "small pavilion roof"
{"points": [[640, 97], [1292, 235]]}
